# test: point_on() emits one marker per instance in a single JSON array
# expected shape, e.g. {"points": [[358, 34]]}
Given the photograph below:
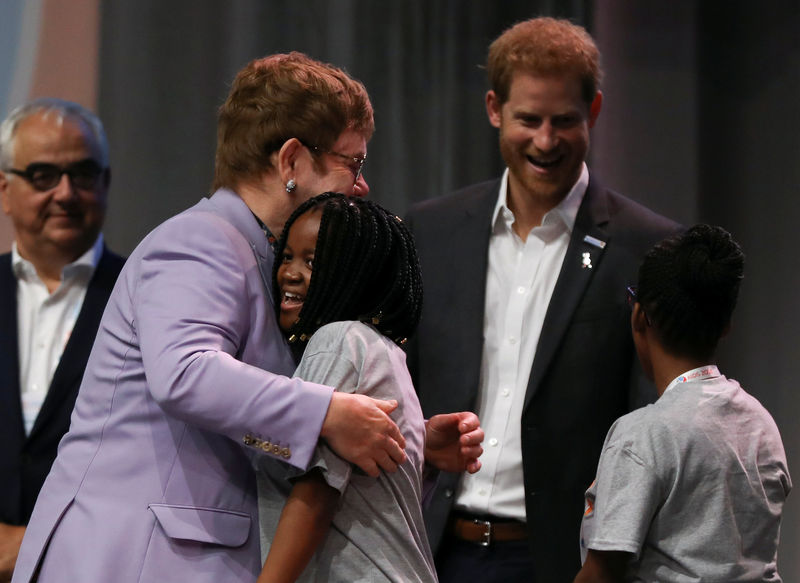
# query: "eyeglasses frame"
{"points": [[357, 159], [632, 298], [69, 170]]}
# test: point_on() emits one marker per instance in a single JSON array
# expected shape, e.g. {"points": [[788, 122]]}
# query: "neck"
{"points": [[50, 263], [667, 366], [271, 209], [529, 208]]}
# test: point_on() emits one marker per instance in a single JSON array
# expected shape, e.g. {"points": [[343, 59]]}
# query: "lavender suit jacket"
{"points": [[153, 481]]}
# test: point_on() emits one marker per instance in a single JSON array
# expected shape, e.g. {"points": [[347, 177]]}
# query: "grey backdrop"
{"points": [[697, 123]]}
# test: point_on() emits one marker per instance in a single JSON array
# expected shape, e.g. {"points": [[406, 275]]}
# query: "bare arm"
{"points": [[453, 442], [358, 428], [10, 541], [603, 567], [303, 525]]}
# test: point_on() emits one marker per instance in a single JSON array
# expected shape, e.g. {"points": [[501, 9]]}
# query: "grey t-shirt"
{"points": [[693, 486], [378, 533]]}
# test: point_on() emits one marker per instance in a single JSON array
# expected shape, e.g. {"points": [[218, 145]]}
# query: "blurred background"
{"points": [[697, 121]]}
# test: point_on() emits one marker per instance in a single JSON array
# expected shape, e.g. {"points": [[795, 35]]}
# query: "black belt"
{"points": [[486, 530]]}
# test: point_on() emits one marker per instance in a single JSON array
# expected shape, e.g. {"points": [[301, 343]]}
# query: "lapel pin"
{"points": [[587, 260], [594, 241]]}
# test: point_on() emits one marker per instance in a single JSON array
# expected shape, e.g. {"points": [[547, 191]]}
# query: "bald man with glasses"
{"points": [[54, 285]]}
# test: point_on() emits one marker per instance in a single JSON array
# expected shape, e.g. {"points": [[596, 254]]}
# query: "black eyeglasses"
{"points": [[355, 163], [43, 176], [630, 294]]}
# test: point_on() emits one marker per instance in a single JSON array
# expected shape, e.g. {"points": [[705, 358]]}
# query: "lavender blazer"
{"points": [[153, 481]]}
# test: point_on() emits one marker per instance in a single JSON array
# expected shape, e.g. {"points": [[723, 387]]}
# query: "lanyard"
{"points": [[696, 374]]}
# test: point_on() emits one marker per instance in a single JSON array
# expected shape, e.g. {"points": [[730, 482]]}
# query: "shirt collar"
{"points": [[566, 210], [86, 263]]}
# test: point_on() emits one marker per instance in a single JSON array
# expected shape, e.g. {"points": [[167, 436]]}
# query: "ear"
{"points": [[494, 108], [595, 107], [641, 339], [4, 193], [287, 158], [638, 319]]}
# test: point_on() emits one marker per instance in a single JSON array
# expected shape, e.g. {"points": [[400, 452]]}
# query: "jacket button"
{"points": [[448, 493]]}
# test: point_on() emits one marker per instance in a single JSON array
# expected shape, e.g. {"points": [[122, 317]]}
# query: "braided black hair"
{"points": [[688, 287], [365, 268]]}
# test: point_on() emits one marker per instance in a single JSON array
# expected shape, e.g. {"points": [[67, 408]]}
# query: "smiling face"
{"points": [[544, 134], [294, 272], [62, 221]]}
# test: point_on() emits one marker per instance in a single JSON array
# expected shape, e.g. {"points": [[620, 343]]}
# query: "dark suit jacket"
{"points": [[26, 460], [584, 375]]}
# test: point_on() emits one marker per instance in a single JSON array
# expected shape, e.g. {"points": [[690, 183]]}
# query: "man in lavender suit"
{"points": [[153, 481]]}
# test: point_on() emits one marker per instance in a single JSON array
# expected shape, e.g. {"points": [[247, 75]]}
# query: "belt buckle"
{"points": [[487, 535]]}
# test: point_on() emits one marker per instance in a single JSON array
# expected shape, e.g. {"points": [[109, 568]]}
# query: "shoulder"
{"points": [[626, 217], [197, 231], [643, 432], [339, 353], [111, 261], [473, 196], [346, 337]]}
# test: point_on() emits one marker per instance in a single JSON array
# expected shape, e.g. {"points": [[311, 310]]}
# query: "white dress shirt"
{"points": [[45, 322], [520, 281]]}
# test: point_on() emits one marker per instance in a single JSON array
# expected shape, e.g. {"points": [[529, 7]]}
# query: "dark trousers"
{"points": [[459, 561]]}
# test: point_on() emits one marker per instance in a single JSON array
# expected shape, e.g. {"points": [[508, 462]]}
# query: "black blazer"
{"points": [[585, 373], [26, 460]]}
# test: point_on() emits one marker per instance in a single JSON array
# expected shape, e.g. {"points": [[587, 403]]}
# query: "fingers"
{"points": [[386, 406], [394, 452], [393, 432], [369, 467], [474, 437], [398, 442], [474, 466], [360, 430], [467, 421], [443, 422], [470, 456], [384, 454], [471, 451], [386, 462]]}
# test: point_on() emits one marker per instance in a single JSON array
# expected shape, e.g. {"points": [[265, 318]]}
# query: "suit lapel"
{"points": [[9, 353], [584, 255], [471, 238], [72, 363]]}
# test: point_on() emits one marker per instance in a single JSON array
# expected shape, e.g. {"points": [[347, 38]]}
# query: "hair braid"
{"points": [[365, 268]]}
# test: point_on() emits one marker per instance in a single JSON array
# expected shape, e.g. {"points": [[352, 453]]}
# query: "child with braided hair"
{"points": [[690, 488], [349, 291]]}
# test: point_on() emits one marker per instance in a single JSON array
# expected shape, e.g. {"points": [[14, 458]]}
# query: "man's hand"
{"points": [[10, 541], [359, 429], [453, 442]]}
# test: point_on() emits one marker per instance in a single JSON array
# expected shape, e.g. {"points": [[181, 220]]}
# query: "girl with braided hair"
{"points": [[349, 291], [690, 488]]}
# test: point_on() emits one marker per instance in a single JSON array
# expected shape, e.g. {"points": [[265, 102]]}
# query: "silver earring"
{"points": [[291, 185]]}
